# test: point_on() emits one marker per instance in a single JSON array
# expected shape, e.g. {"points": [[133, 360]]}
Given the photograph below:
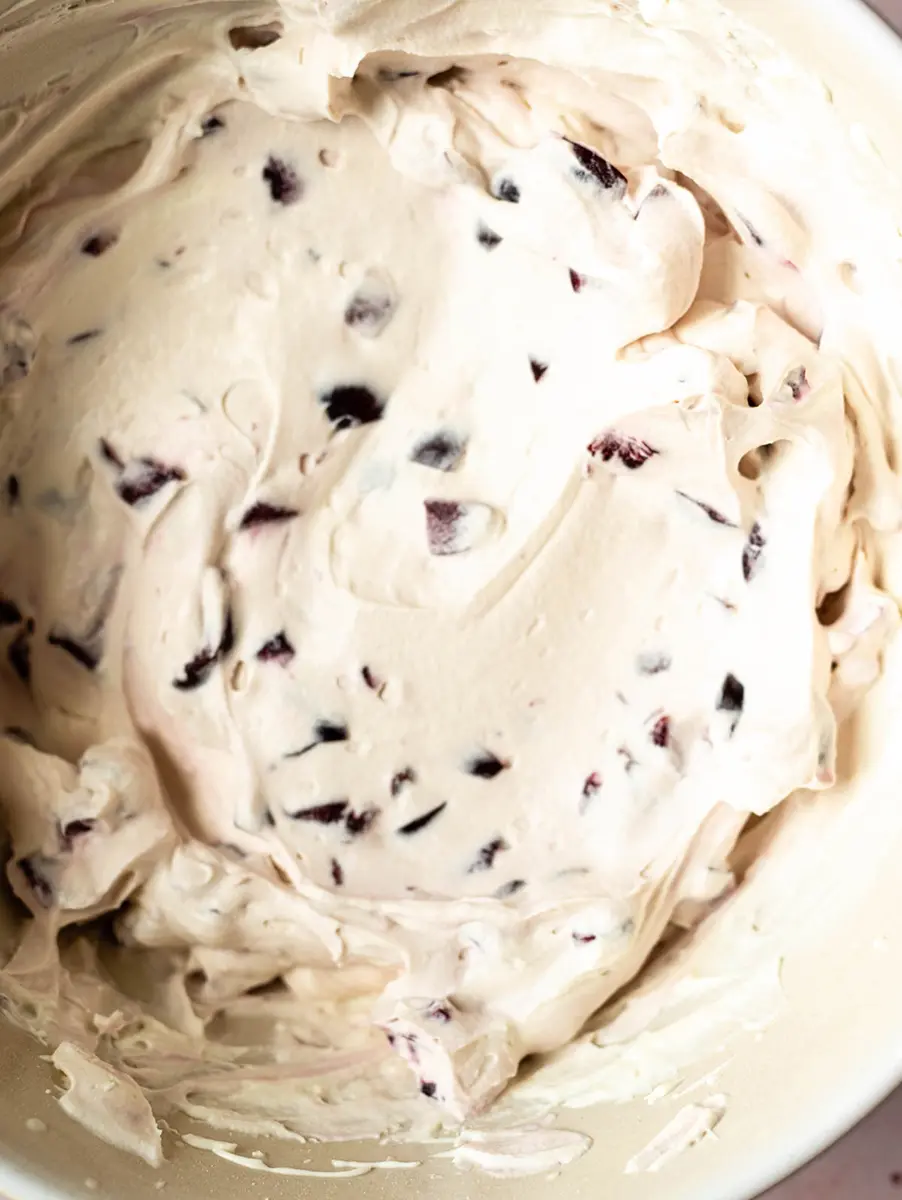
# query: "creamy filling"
{"points": [[442, 496]]}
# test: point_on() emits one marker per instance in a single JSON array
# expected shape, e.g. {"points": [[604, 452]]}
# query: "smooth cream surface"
{"points": [[446, 456]]}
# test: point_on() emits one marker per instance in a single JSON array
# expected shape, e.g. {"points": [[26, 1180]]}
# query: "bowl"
{"points": [[783, 1088]]}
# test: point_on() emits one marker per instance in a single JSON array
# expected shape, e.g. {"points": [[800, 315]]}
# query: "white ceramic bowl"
{"points": [[835, 1051]]}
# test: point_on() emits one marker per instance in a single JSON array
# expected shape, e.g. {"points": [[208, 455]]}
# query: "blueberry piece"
{"points": [[445, 524], [428, 1088], [538, 368], [266, 514], [108, 454], [357, 823], [371, 679], [9, 613], [278, 649], [486, 765], [285, 186], [401, 779], [505, 189], [591, 788], [338, 875], [510, 889], [485, 859], [82, 654], [199, 669], [751, 553], [598, 168], [99, 243], [711, 513], [488, 237], [660, 733], [323, 814], [349, 405], [652, 662], [331, 731], [577, 281], [631, 451], [421, 822], [442, 451], [732, 699], [143, 478], [369, 310]]}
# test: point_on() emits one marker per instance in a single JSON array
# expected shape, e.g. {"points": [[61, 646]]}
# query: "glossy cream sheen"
{"points": [[424, 487]]}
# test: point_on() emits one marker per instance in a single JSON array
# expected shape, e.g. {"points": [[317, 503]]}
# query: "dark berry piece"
{"points": [[143, 478], [486, 765], [278, 649], [583, 939], [331, 731], [253, 37], [338, 875], [72, 830], [653, 662], [99, 243], [197, 671], [33, 872], [450, 75], [421, 822], [577, 281], [19, 655], [711, 513], [660, 733], [751, 553], [209, 125], [439, 1012], [266, 514], [428, 1088], [84, 655], [488, 237], [591, 788], [598, 168], [369, 310], [446, 527], [510, 889], [485, 859], [753, 233], [12, 490], [323, 814], [401, 780], [371, 679], [284, 185], [631, 451], [538, 368], [732, 699], [9, 613], [441, 451], [108, 454], [87, 335], [796, 383], [357, 823], [352, 404], [505, 189]]}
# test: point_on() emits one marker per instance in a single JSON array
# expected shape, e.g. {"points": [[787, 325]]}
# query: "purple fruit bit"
{"points": [[445, 526], [371, 679], [401, 779], [211, 124], [653, 662], [369, 311], [583, 939], [143, 478], [660, 732], [197, 671], [577, 281], [322, 814], [488, 238], [428, 1088], [351, 404], [421, 822], [594, 166], [253, 37], [18, 654], [338, 875], [538, 368], [591, 788], [485, 859], [324, 733], [278, 650], [33, 869], [732, 699], [453, 74], [12, 490], [267, 514], [442, 451], [751, 553], [439, 1012], [86, 335], [633, 452], [511, 888], [85, 656], [712, 514], [98, 243], [284, 185], [796, 383], [358, 823], [505, 189], [9, 613], [108, 454], [71, 831], [486, 765]]}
